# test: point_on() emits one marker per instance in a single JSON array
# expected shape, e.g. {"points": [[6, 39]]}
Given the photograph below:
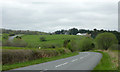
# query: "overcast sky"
{"points": [[52, 15]]}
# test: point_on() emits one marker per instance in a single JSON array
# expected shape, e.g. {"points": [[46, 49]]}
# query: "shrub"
{"points": [[19, 43], [13, 56], [12, 34], [6, 43], [86, 44], [18, 37], [105, 40], [42, 39], [50, 45], [16, 43], [5, 36], [73, 46], [66, 43]]}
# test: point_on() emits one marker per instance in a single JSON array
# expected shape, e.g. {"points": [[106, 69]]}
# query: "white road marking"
{"points": [[58, 65], [61, 64], [65, 63], [81, 57], [74, 60], [85, 55]]}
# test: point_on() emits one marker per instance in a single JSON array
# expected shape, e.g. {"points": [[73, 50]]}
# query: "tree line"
{"points": [[13, 32], [72, 31], [93, 33]]}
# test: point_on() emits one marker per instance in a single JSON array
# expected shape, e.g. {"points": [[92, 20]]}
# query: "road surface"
{"points": [[83, 61], [12, 37]]}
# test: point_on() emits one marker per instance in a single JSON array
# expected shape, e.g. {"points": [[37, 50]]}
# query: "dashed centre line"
{"points": [[74, 60], [81, 57], [61, 64], [71, 61]]}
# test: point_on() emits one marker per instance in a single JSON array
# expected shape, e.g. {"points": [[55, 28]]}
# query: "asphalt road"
{"points": [[83, 61], [12, 37]]}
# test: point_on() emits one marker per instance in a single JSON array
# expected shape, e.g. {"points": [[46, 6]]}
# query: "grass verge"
{"points": [[38, 61], [114, 56], [105, 63]]}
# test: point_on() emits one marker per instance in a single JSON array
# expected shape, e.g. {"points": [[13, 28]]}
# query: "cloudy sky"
{"points": [[52, 15]]}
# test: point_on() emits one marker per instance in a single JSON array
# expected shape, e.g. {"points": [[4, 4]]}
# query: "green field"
{"points": [[57, 40]]}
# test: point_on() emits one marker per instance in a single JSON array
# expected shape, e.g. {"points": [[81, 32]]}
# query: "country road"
{"points": [[12, 37], [83, 61]]}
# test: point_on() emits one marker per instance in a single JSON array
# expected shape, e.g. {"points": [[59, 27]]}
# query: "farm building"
{"points": [[82, 34]]}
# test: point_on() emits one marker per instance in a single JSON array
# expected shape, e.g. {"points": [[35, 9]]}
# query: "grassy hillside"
{"points": [[55, 40]]}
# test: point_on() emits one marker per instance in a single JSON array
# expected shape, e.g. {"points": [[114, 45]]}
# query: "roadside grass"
{"points": [[114, 56], [0, 58], [38, 61], [105, 63]]}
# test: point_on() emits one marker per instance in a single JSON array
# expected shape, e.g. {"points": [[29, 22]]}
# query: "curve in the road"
{"points": [[83, 61]]}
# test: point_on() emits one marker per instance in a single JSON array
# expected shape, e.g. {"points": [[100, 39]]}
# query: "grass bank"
{"points": [[38, 61], [105, 63], [114, 57]]}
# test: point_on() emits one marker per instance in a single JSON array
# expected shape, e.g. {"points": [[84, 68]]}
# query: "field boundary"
{"points": [[38, 61]]}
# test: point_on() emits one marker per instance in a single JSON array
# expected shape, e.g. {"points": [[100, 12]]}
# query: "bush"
{"points": [[86, 44], [73, 45], [12, 35], [66, 43], [5, 36], [13, 56], [6, 43], [15, 43], [50, 45], [19, 43], [105, 40], [18, 37], [42, 39]]}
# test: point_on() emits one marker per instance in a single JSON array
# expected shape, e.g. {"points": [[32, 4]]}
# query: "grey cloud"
{"points": [[45, 16]]}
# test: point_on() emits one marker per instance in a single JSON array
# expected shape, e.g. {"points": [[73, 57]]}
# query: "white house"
{"points": [[82, 34]]}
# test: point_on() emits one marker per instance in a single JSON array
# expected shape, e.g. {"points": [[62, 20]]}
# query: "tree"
{"points": [[95, 30], [105, 40], [73, 31], [57, 32], [82, 31]]}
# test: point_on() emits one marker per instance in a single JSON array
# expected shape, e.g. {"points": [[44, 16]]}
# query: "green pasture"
{"points": [[57, 40]]}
